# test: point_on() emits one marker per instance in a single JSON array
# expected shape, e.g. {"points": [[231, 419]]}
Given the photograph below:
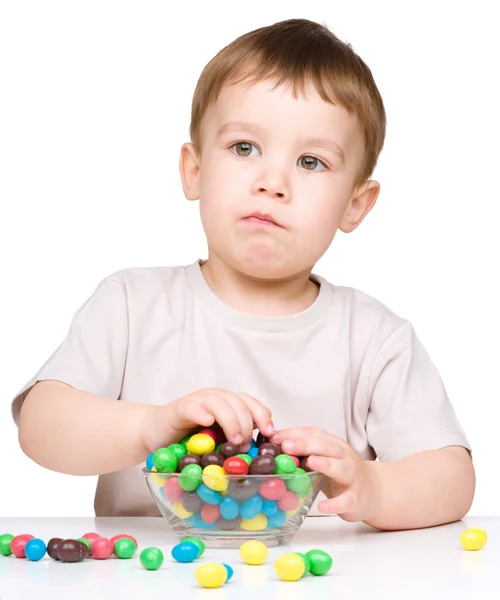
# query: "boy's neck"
{"points": [[263, 298]]}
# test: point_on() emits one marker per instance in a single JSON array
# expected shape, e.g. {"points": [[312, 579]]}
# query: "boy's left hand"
{"points": [[351, 486]]}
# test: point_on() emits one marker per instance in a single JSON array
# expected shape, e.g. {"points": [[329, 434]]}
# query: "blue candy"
{"points": [[198, 523], [269, 507], [251, 507], [253, 452], [276, 520], [149, 461], [229, 508], [208, 495], [185, 552], [229, 571], [253, 444], [35, 549]]}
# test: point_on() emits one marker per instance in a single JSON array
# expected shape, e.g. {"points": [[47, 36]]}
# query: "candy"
{"points": [[289, 501], [197, 542], [149, 461], [300, 484], [254, 552], [303, 465], [211, 575], [165, 461], [180, 511], [269, 507], [258, 523], [18, 544], [228, 524], [248, 459], [115, 538], [86, 542], [91, 536], [35, 549], [178, 449], [102, 548], [210, 513], [229, 571], [208, 495], [190, 477], [191, 501], [173, 490], [212, 458], [473, 539], [52, 547], [188, 459], [320, 562], [272, 489], [277, 520], [5, 541], [307, 563], [215, 478], [270, 449], [295, 460], [264, 464], [71, 551], [125, 547], [228, 449], [242, 489], [261, 439], [229, 508], [210, 432], [285, 465], [185, 552], [253, 452], [198, 523], [251, 508], [200, 443], [151, 558], [289, 567], [235, 465]]}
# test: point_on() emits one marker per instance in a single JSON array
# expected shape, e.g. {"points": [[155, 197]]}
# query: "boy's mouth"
{"points": [[262, 219]]}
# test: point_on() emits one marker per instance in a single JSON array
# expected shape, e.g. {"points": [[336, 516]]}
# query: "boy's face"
{"points": [[259, 157]]}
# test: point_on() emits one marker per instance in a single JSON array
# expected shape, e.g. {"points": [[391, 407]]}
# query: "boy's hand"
{"points": [[237, 414], [351, 488]]}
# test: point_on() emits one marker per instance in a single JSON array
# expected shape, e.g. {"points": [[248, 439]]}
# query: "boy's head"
{"points": [[286, 122]]}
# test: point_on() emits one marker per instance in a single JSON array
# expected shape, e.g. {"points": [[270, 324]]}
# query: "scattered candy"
{"points": [[18, 544], [86, 542], [320, 562], [5, 541], [35, 549], [151, 558], [102, 548], [307, 563], [198, 543], [71, 551], [473, 539], [185, 552], [124, 547], [211, 575], [289, 567], [254, 552], [229, 572], [52, 547]]}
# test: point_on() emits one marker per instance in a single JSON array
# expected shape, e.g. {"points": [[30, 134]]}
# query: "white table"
{"points": [[367, 564]]}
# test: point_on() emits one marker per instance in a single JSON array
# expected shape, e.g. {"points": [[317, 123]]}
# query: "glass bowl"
{"points": [[268, 508]]}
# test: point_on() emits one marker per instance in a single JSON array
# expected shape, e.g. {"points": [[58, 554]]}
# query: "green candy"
{"points": [[246, 457], [178, 449], [299, 483], [217, 448], [307, 563], [190, 477], [151, 558], [197, 542], [285, 465], [165, 461], [86, 542], [185, 440], [5, 541], [125, 548], [320, 562]]}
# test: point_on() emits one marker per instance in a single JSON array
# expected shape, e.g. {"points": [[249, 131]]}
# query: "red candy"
{"points": [[210, 513], [235, 466], [289, 501], [91, 536], [209, 432], [102, 548], [272, 489], [173, 490], [115, 538], [18, 544], [295, 460]]}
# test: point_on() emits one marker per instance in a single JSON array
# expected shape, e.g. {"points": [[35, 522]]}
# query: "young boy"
{"points": [[287, 126]]}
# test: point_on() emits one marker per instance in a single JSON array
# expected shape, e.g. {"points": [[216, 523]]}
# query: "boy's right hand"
{"points": [[237, 414]]}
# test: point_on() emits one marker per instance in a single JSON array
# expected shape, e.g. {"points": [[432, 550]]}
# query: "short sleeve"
{"points": [[93, 354], [409, 408]]}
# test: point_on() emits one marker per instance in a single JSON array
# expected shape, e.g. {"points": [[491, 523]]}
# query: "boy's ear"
{"points": [[189, 167], [360, 205]]}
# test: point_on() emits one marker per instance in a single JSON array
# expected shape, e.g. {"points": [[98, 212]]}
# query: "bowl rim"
{"points": [[231, 476]]}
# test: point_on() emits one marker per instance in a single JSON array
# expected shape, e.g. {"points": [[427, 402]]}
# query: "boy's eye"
{"points": [[309, 163]]}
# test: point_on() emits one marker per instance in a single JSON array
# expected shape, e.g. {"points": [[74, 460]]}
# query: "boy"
{"points": [[251, 337]]}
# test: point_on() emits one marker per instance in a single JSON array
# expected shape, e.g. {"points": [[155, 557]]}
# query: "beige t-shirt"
{"points": [[347, 364]]}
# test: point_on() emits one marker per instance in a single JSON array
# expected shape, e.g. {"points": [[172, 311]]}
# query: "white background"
{"points": [[94, 107]]}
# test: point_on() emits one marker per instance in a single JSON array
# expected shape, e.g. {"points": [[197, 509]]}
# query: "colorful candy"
{"points": [[5, 541], [289, 567], [211, 575], [71, 551], [35, 549], [18, 544], [185, 552], [197, 542], [320, 562], [473, 539], [124, 547], [151, 558], [102, 548], [254, 552]]}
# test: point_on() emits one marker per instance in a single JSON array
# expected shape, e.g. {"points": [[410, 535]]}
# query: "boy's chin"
{"points": [[265, 270]]}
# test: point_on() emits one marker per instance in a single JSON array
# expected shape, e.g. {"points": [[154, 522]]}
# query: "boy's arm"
{"points": [[71, 431], [422, 490]]}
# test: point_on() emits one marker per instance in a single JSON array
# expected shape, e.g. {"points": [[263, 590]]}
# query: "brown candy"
{"points": [[303, 465], [261, 439], [229, 449], [242, 489], [191, 501], [212, 458], [52, 547], [188, 459], [264, 464], [71, 551], [228, 524], [268, 448]]}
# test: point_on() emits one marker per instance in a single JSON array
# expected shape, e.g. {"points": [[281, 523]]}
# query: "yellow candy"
{"points": [[158, 479], [473, 539], [211, 575], [200, 443], [180, 511], [215, 478], [254, 552], [258, 523], [289, 567]]}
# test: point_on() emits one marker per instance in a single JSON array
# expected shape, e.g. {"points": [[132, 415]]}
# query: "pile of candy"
{"points": [[210, 484]]}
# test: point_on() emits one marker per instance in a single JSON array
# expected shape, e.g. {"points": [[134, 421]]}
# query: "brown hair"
{"points": [[297, 51]]}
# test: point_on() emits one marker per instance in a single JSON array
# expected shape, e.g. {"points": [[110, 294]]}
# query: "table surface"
{"points": [[367, 563]]}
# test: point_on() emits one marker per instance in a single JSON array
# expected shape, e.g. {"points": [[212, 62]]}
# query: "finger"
{"points": [[296, 433], [243, 414], [217, 404], [305, 446], [340, 470], [346, 502], [191, 412], [261, 414]]}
